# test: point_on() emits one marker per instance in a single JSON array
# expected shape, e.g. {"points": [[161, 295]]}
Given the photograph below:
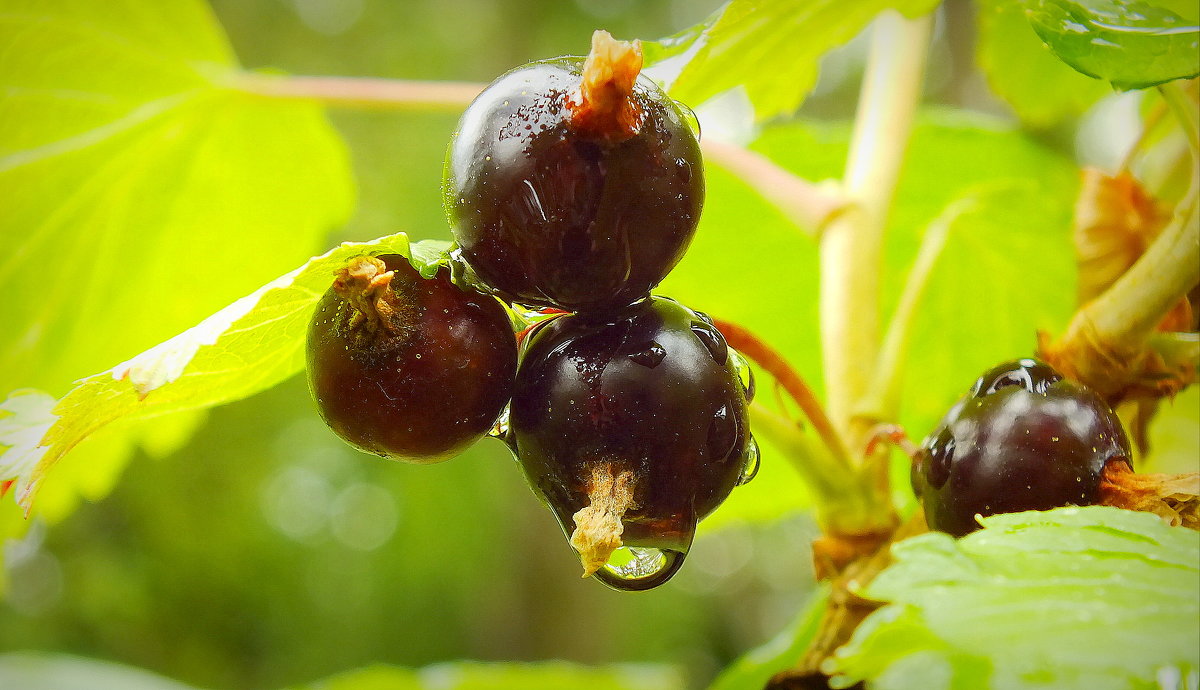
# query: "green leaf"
{"points": [[1131, 43], [749, 265], [753, 669], [1087, 598], [771, 49], [1010, 249], [29, 671], [1024, 72], [250, 345], [1174, 443], [141, 192], [503, 676]]}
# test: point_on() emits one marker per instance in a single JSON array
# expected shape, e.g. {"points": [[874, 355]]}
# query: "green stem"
{"points": [[361, 92], [844, 503], [765, 356], [1126, 314], [809, 206], [851, 245], [806, 204]]}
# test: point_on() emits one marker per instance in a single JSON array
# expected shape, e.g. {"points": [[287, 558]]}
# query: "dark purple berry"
{"points": [[405, 367], [572, 197], [1024, 438], [645, 401]]}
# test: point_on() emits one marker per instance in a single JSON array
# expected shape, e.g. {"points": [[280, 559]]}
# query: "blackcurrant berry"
{"points": [[405, 367], [1023, 438], [631, 427], [574, 184]]}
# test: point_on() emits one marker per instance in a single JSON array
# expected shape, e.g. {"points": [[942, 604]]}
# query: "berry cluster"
{"points": [[573, 186]]}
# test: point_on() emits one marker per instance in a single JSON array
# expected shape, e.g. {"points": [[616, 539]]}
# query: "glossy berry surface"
{"points": [[1023, 438], [651, 389], [552, 216], [421, 387]]}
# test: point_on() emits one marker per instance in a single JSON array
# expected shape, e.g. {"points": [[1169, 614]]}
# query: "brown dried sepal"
{"points": [[598, 527], [832, 553], [1116, 372], [604, 107], [1173, 497], [366, 284], [1115, 221]]}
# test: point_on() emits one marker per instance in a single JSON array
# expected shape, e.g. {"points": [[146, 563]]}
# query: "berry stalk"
{"points": [[807, 204], [810, 206], [773, 363], [360, 93]]}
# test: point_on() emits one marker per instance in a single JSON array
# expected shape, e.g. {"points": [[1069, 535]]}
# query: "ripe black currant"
{"points": [[632, 427], [405, 367], [574, 184], [1023, 438]]}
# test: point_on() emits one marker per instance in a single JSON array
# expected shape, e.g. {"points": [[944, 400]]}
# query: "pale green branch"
{"points": [[851, 245], [361, 92]]}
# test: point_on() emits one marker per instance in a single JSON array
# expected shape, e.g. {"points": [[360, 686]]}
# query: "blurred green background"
{"points": [[266, 553]]}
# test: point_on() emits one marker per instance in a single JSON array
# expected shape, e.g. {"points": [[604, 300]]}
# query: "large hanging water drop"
{"points": [[638, 568], [750, 468]]}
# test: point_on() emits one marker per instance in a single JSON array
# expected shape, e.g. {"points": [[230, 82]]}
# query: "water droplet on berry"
{"points": [[635, 568], [650, 355], [745, 373], [689, 118], [941, 455], [712, 341], [722, 435], [750, 469]]}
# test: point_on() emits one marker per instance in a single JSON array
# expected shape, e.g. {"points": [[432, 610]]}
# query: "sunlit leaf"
{"points": [[1012, 256], [24, 418], [1074, 598], [1023, 71], [1130, 43], [771, 49], [141, 193], [246, 347]]}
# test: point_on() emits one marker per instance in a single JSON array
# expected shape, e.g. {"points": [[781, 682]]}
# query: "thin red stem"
{"points": [[774, 364]]}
